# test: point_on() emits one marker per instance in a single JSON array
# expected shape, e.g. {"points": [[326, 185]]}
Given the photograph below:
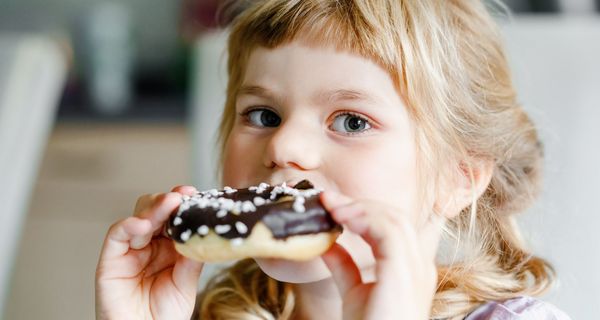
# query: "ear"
{"points": [[466, 183]]}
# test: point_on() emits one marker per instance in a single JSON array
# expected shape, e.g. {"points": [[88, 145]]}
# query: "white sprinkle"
{"points": [[222, 228], [263, 185], [228, 204], [298, 207], [277, 190], [213, 192], [237, 207], [248, 206], [183, 207], [253, 188], [185, 236], [177, 221], [241, 227], [237, 241], [186, 197], [170, 231], [221, 213], [202, 203], [203, 230], [258, 201], [229, 190]]}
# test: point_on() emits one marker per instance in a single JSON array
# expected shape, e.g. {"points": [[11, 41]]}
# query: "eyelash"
{"points": [[246, 112], [353, 114]]}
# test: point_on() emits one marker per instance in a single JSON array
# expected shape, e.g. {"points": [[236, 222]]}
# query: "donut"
{"points": [[261, 221]]}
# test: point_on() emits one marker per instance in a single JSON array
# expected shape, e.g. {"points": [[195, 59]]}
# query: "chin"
{"points": [[316, 270], [295, 271]]}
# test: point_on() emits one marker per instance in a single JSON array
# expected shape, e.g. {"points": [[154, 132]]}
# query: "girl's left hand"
{"points": [[405, 271]]}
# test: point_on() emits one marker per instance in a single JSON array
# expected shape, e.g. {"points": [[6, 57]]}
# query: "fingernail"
{"points": [[137, 242]]}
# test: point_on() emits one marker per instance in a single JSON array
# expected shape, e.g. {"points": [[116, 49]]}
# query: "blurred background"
{"points": [[103, 101]]}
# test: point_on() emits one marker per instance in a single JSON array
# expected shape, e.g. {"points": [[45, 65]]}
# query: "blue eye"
{"points": [[350, 123], [262, 118]]}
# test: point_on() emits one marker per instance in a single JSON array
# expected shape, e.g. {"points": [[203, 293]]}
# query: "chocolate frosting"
{"points": [[232, 214]]}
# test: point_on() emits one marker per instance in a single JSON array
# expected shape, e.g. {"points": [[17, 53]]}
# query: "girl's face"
{"points": [[330, 117]]}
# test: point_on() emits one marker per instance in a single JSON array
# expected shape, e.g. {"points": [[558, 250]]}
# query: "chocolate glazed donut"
{"points": [[260, 221]]}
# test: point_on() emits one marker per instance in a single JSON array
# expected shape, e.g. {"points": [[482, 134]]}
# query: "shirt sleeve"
{"points": [[521, 308]]}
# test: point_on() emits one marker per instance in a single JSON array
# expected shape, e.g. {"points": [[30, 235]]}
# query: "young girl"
{"points": [[404, 113]]}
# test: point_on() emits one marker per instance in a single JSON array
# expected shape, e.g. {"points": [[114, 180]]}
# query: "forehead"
{"points": [[295, 55], [315, 68]]}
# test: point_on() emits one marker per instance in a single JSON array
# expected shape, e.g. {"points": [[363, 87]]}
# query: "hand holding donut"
{"points": [[406, 274], [139, 274]]}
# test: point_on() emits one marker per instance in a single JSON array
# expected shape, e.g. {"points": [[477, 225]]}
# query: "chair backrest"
{"points": [[209, 80], [32, 75]]}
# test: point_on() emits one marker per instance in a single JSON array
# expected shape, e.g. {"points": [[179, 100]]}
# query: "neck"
{"points": [[318, 300]]}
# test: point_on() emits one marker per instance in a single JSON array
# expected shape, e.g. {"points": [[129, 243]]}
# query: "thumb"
{"points": [[344, 271]]}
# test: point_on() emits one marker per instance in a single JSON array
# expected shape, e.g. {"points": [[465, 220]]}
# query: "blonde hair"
{"points": [[447, 62]]}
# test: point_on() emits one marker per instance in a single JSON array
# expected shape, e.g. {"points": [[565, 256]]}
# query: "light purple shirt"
{"points": [[521, 308]]}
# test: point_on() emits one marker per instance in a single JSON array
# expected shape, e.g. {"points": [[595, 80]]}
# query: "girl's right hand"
{"points": [[139, 274]]}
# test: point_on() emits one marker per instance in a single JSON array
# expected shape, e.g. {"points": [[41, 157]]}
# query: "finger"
{"points": [[144, 202], [344, 271], [186, 273], [380, 231], [157, 214], [187, 190], [117, 241], [344, 214], [332, 200], [162, 256], [377, 225]]}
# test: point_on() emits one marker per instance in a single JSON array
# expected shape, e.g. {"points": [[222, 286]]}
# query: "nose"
{"points": [[292, 145]]}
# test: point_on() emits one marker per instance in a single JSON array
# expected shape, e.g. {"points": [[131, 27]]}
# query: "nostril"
{"points": [[295, 165]]}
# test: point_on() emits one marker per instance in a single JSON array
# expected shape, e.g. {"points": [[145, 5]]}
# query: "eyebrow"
{"points": [[327, 96]]}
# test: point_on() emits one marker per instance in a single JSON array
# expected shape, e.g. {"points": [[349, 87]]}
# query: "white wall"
{"points": [[556, 65]]}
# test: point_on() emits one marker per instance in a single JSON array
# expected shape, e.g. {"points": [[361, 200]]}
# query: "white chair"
{"points": [[32, 75], [209, 80]]}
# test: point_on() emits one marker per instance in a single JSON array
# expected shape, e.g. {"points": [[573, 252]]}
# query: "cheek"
{"points": [[241, 160], [385, 171]]}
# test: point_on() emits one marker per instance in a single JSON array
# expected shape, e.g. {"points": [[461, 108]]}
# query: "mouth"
{"points": [[291, 182], [288, 182]]}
